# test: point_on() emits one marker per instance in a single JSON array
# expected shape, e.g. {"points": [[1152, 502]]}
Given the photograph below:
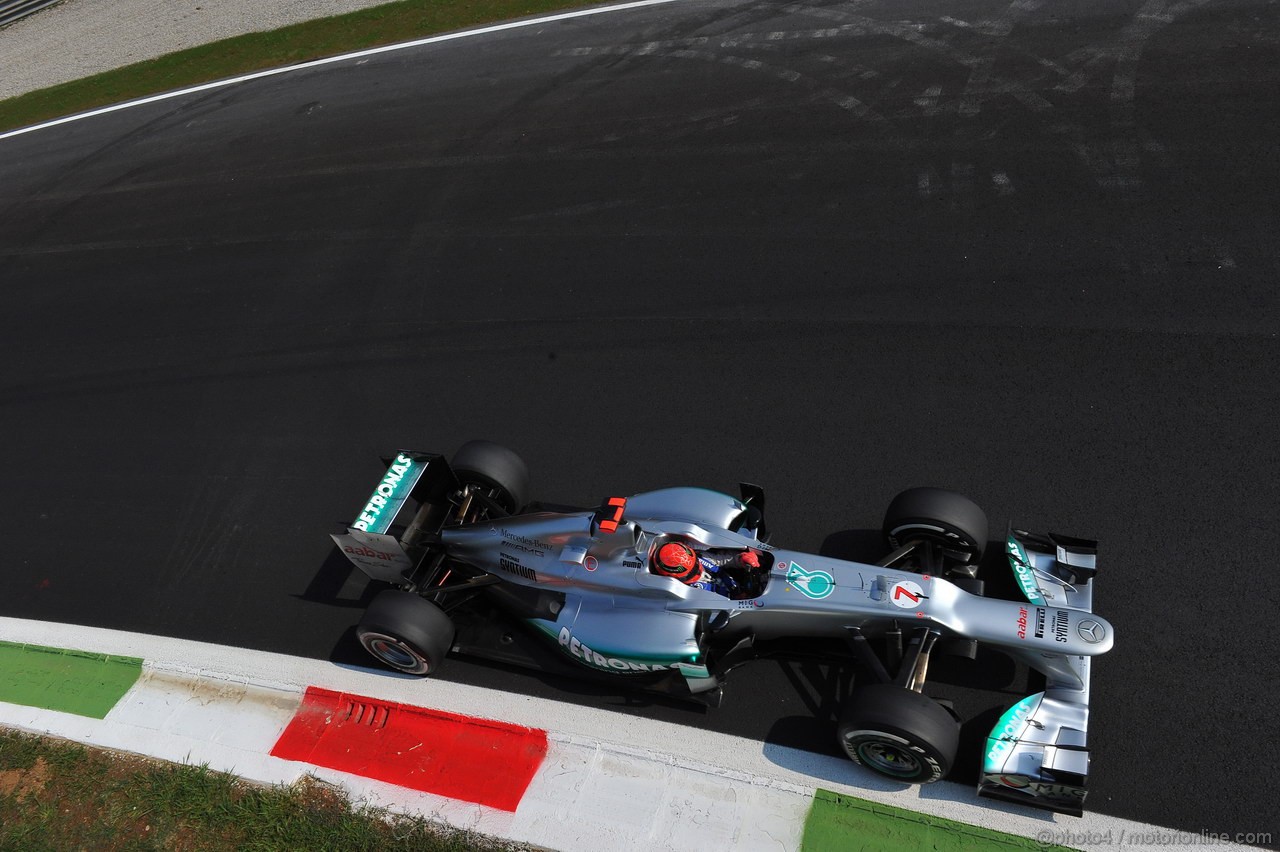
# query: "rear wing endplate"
{"points": [[428, 479]]}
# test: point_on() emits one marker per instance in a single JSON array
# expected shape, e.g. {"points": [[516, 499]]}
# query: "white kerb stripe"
{"points": [[580, 13]]}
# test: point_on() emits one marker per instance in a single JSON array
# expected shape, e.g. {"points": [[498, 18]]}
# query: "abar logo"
{"points": [[370, 552], [1022, 622], [379, 556], [1091, 631]]}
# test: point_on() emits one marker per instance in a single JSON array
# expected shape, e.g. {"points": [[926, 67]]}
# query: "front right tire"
{"points": [[951, 520], [405, 632]]}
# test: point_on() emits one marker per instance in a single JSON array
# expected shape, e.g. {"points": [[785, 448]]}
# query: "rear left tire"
{"points": [[405, 632]]}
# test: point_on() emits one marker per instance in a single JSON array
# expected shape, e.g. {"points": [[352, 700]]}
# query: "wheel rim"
{"points": [[889, 758], [395, 653]]}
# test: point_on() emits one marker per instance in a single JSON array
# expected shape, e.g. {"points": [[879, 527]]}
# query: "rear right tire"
{"points": [[493, 466]]}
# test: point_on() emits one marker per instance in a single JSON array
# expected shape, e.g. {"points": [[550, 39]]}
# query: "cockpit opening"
{"points": [[738, 573]]}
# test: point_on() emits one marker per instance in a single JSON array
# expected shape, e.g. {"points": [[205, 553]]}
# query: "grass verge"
{"points": [[394, 22], [57, 795]]}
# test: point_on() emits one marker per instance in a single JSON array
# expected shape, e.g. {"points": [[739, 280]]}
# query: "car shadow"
{"points": [[809, 746], [477, 671], [973, 744], [338, 583], [825, 763], [854, 545]]}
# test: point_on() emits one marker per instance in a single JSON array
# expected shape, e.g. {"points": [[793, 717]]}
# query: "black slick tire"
{"points": [[945, 517], [494, 466], [899, 733], [405, 632]]}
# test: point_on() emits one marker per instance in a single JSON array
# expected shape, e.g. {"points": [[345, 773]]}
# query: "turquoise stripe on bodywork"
{"points": [[690, 667]]}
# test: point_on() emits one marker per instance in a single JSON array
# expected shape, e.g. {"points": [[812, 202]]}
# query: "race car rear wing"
{"points": [[423, 478], [1037, 753]]}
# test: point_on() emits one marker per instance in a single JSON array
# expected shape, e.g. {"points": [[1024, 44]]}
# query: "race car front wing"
{"points": [[1037, 753]]}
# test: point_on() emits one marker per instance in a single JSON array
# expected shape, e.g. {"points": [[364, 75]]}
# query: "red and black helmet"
{"points": [[676, 559]]}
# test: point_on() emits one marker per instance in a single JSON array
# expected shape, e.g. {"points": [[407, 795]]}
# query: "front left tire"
{"points": [[899, 733]]}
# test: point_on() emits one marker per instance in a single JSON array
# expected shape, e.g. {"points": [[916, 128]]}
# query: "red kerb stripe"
{"points": [[475, 760]]}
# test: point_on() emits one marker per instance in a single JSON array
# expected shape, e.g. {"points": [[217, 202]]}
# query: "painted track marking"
{"points": [[329, 60]]}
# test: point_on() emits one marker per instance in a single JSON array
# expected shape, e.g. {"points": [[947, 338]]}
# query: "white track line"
{"points": [[511, 25]]}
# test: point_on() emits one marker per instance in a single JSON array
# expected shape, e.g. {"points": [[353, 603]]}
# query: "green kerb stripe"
{"points": [[839, 823], [59, 679]]}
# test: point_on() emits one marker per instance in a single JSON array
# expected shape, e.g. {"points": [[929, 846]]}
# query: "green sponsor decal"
{"points": [[811, 584], [69, 681], [1021, 564], [389, 496], [692, 671], [619, 662], [840, 823], [1004, 736]]}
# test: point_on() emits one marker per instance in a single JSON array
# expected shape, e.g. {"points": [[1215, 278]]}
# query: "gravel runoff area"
{"points": [[79, 38]]}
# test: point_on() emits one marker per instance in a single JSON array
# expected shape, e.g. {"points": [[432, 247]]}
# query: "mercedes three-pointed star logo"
{"points": [[1091, 631]]}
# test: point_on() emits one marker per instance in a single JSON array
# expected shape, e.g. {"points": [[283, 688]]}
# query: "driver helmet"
{"points": [[677, 559]]}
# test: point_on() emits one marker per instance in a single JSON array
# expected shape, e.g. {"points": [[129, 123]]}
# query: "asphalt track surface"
{"points": [[1026, 251]]}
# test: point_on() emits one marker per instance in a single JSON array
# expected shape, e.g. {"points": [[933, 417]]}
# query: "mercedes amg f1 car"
{"points": [[671, 589]]}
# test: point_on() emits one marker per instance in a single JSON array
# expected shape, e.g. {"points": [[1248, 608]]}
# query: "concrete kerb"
{"points": [[605, 782]]}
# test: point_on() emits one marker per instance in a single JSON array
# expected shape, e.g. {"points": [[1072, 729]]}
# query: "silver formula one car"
{"points": [[673, 588]]}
